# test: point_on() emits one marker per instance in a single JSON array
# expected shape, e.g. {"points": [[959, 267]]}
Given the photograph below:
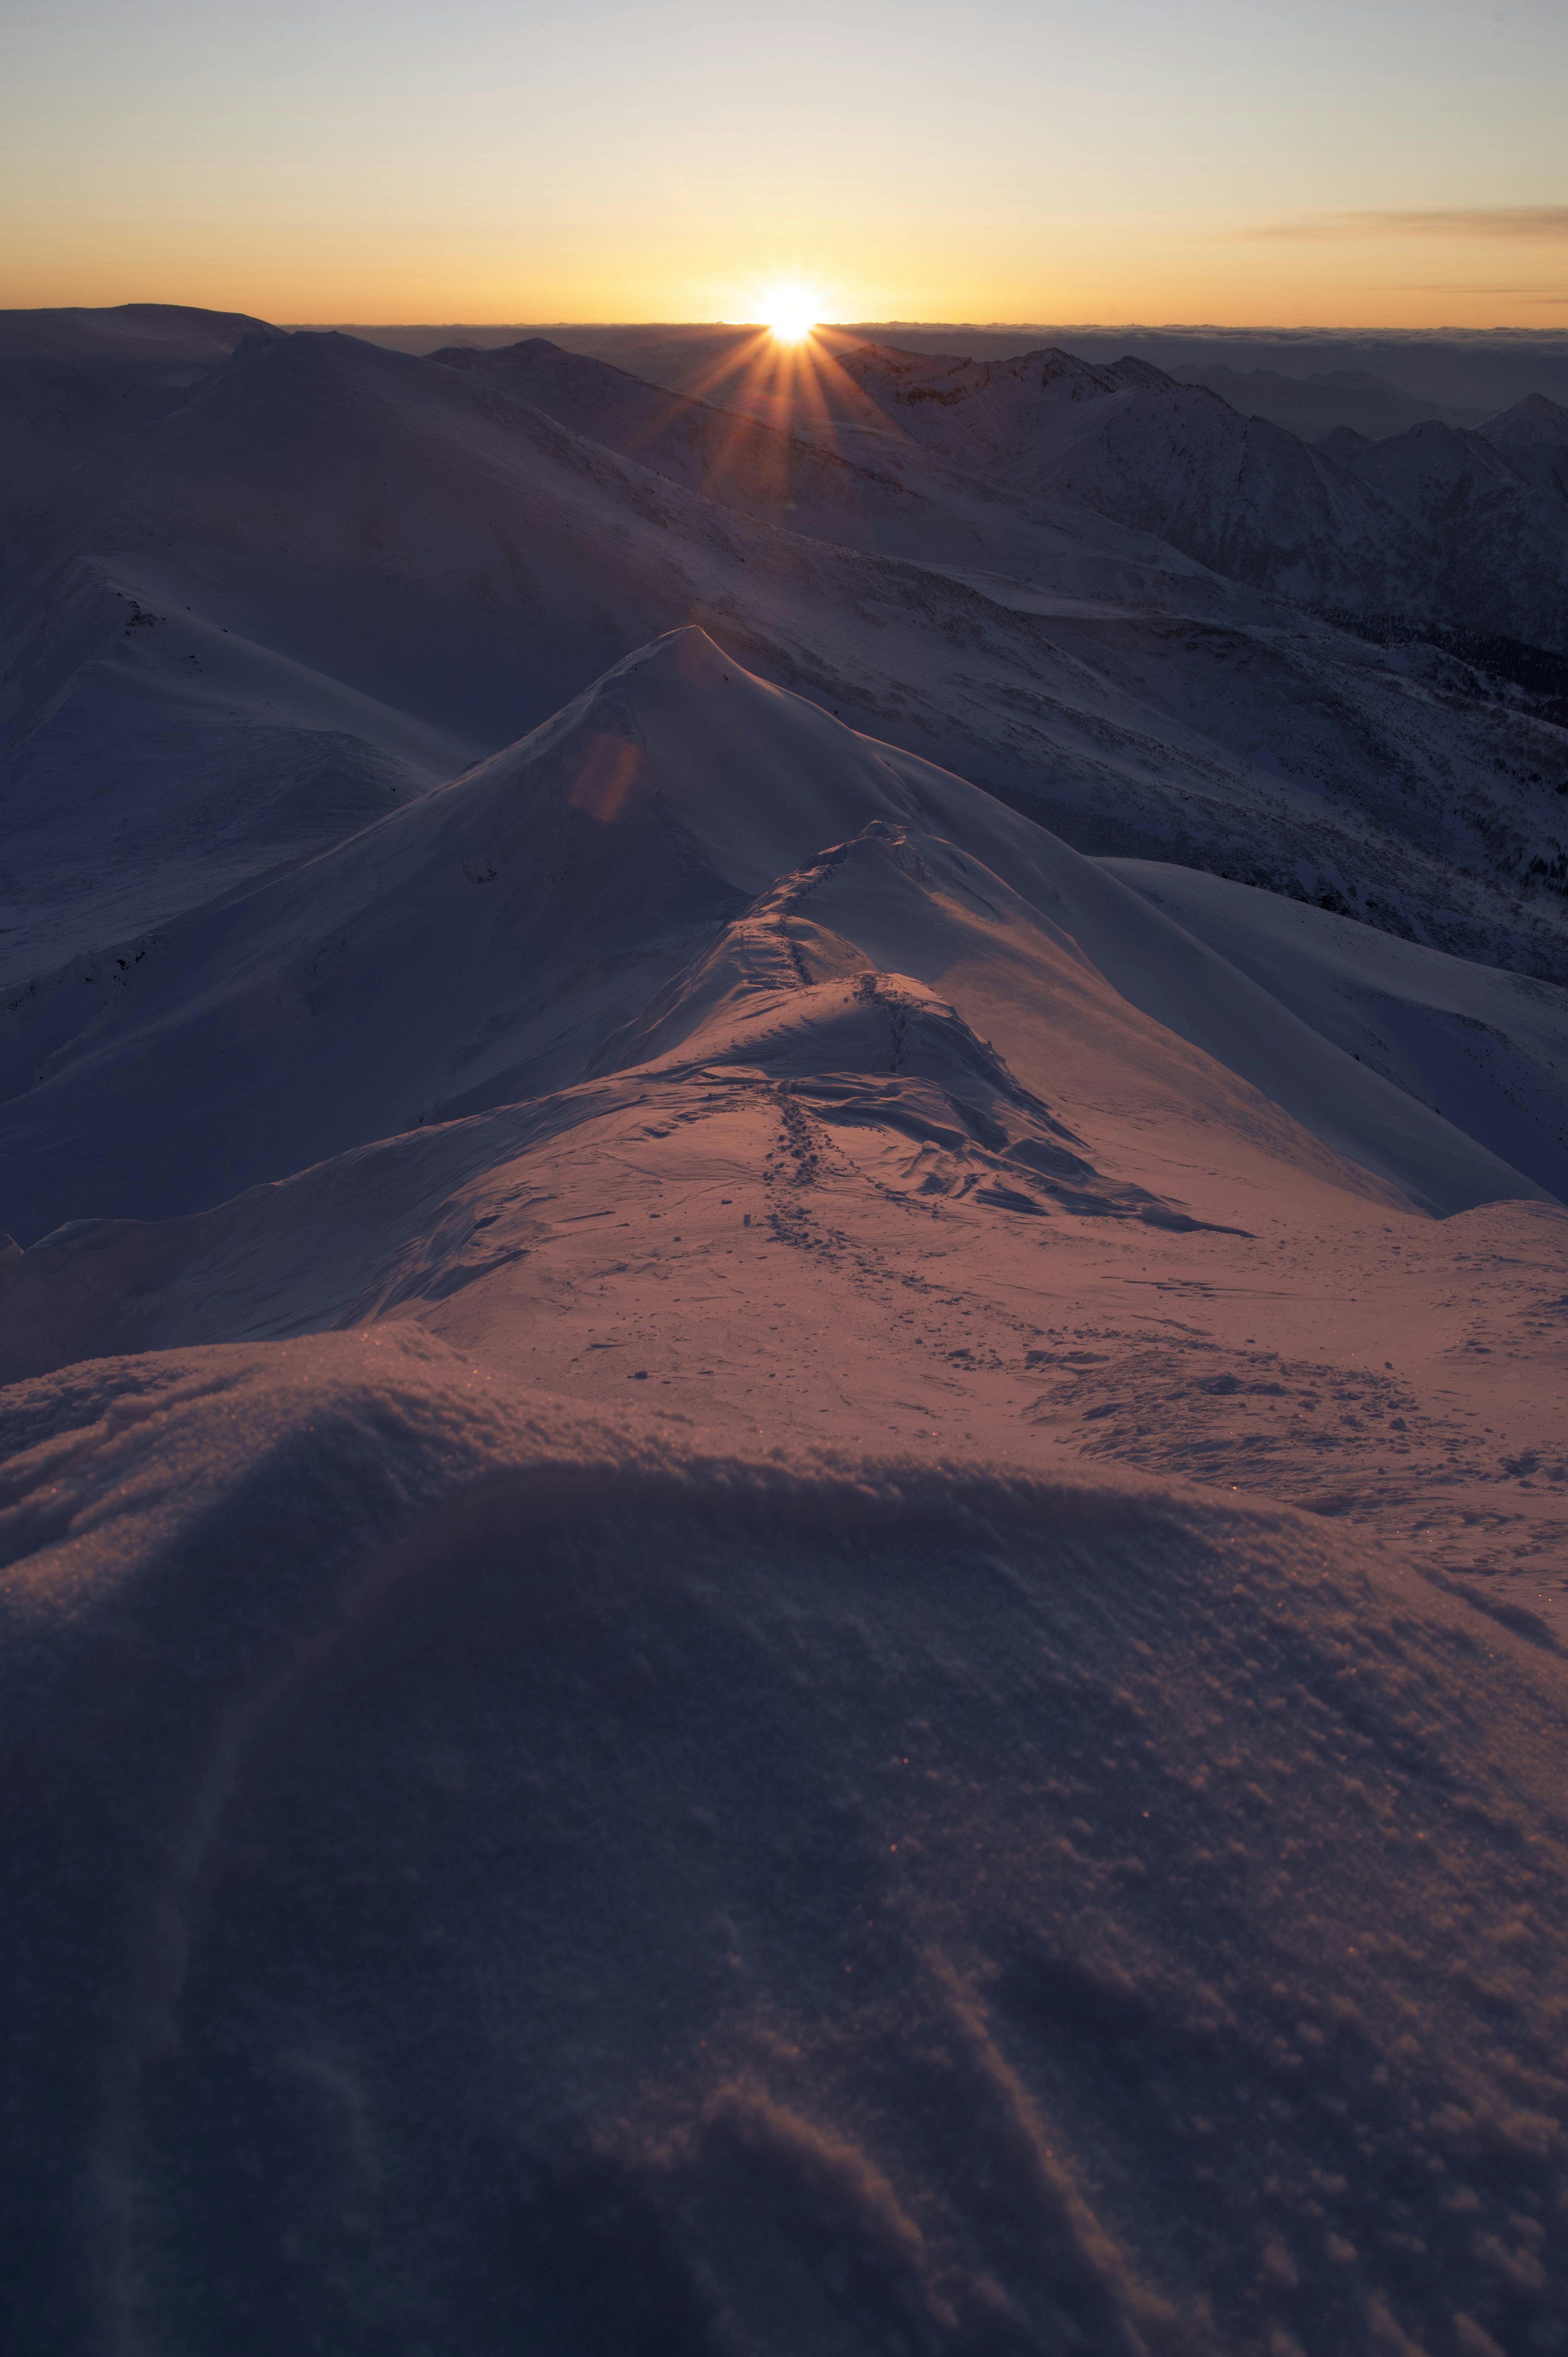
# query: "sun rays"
{"points": [[773, 397], [790, 312]]}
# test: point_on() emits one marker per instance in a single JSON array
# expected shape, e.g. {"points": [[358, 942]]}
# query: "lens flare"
{"points": [[790, 313]]}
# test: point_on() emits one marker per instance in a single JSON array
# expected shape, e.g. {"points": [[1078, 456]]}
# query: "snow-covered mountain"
{"points": [[1311, 406], [834, 1131], [782, 1554], [1498, 530], [1425, 522], [1531, 424], [497, 940], [74, 385], [336, 575]]}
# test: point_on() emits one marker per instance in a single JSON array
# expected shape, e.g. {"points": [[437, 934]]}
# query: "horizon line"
{"points": [[968, 327]]}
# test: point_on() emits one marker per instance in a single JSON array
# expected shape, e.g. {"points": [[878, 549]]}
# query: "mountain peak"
{"points": [[1528, 425], [127, 331]]}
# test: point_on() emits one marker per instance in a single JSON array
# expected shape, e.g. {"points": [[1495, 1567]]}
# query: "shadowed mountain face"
{"points": [[722, 454], [1492, 507], [1434, 522], [171, 332], [73, 384], [1237, 493], [1532, 424], [331, 575], [864, 496], [1312, 404]]}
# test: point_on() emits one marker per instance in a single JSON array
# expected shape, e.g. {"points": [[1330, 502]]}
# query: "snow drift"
{"points": [[581, 903], [636, 1905]]}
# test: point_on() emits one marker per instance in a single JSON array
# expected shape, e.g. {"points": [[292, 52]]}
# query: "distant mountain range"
{"points": [[259, 589], [1307, 379], [1314, 404]]}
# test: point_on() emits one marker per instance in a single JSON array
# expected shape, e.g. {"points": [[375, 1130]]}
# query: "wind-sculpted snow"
{"points": [[485, 1877], [493, 942]]}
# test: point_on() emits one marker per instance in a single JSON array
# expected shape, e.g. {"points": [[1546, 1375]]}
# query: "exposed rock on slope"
{"points": [[1433, 522], [1500, 539]]}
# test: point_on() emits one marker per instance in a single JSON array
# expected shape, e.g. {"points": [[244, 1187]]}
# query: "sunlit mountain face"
{"points": [[781, 1352]]}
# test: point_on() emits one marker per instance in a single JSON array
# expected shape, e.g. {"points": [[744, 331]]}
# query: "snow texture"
{"points": [[496, 1879]]}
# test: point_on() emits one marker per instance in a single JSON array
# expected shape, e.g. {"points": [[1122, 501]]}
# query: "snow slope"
{"points": [[75, 384], [1531, 424], [491, 941], [874, 495], [1489, 1049], [495, 1878], [173, 332]]}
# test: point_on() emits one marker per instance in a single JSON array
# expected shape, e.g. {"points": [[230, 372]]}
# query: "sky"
{"points": [[1398, 163]]}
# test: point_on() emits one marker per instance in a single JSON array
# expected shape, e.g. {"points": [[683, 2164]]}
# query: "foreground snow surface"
{"points": [[494, 1877], [667, 1692]]}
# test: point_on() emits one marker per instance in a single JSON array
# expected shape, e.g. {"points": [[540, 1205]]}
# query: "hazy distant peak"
{"points": [[155, 332], [481, 355], [1530, 424], [1443, 449], [1130, 370], [535, 364], [1357, 381]]}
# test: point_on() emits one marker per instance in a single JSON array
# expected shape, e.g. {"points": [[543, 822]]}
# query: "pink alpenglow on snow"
{"points": [[782, 1361]]}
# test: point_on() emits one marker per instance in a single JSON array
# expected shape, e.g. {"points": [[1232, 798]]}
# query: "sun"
{"points": [[790, 313]]}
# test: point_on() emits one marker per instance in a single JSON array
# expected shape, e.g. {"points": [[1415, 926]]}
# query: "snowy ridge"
{"points": [[1433, 520], [490, 941], [779, 1570]]}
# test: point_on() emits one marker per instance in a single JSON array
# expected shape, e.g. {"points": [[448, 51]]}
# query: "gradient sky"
{"points": [[1390, 162]]}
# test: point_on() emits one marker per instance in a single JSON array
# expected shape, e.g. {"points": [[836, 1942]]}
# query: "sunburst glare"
{"points": [[790, 313]]}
